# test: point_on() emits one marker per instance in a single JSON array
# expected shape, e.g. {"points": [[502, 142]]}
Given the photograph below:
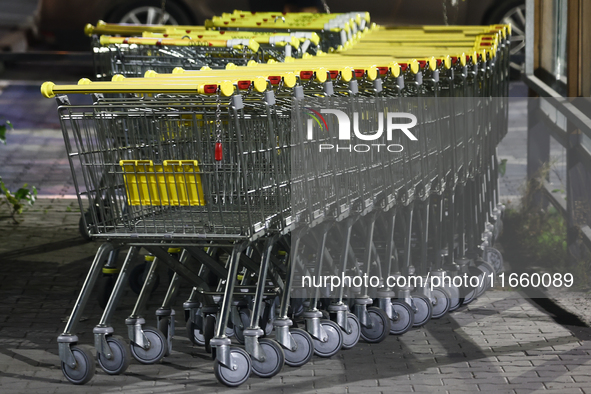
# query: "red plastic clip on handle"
{"points": [[218, 151]]}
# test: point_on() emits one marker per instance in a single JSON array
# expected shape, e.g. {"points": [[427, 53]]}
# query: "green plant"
{"points": [[23, 196], [3, 129], [535, 235], [17, 201], [503, 167]]}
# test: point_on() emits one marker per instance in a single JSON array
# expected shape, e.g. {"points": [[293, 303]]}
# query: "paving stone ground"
{"points": [[501, 343]]}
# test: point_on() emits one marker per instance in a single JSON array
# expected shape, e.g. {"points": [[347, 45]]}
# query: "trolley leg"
{"points": [[68, 337], [221, 342], [406, 269], [283, 322], [450, 267], [384, 296], [312, 316], [362, 302], [252, 333], [338, 309], [135, 322], [424, 288], [297, 344], [165, 314], [193, 305], [103, 328]]}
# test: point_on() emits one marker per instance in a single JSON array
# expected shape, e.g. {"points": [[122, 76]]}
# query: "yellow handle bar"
{"points": [[226, 88], [108, 40]]}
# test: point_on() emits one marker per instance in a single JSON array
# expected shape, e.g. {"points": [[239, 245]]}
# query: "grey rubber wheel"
{"points": [[156, 351], [194, 334], [455, 301], [471, 293], [268, 328], [208, 331], [441, 303], [241, 325], [471, 296], [165, 326], [380, 327], [230, 332], [334, 342], [234, 377], [423, 312], [402, 319], [495, 258], [487, 269], [120, 356], [85, 365], [274, 359], [351, 339], [304, 350]]}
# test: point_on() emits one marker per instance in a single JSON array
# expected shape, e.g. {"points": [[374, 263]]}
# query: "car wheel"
{"points": [[513, 12], [150, 12]]}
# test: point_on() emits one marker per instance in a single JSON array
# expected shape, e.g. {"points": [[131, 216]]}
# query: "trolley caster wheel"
{"points": [[494, 258], [381, 326], [487, 270], [304, 350], [120, 356], [334, 342], [274, 359], [350, 340], [85, 365], [234, 377], [240, 326], [208, 331], [442, 302], [137, 277], [230, 331], [268, 328], [106, 283], [157, 350], [165, 326], [403, 318], [455, 301], [469, 297], [194, 334], [471, 293], [423, 312]]}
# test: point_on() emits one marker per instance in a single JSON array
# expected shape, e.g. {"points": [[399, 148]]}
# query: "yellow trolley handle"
{"points": [[241, 77], [116, 28], [232, 43], [226, 88]]}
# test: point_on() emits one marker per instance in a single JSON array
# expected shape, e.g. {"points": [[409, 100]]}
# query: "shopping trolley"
{"points": [[133, 56], [222, 166], [334, 30], [182, 199]]}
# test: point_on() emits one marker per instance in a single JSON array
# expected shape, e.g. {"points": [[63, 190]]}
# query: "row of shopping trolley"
{"points": [[260, 185], [232, 38], [240, 38]]}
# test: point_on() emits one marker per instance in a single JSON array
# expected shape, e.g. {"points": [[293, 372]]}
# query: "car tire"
{"points": [[512, 11], [123, 14]]}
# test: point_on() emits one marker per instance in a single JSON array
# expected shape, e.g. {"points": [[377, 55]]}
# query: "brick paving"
{"points": [[501, 343]]}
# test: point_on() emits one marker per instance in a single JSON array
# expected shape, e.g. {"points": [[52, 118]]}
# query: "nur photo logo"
{"points": [[349, 131]]}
